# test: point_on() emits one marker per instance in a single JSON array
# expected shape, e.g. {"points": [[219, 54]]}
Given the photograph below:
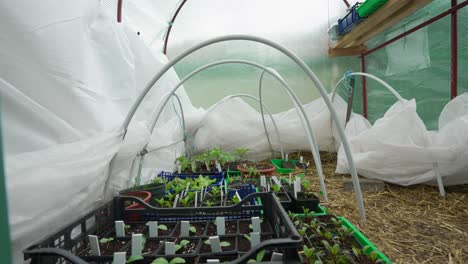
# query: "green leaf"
{"points": [[134, 258], [160, 261], [260, 255], [127, 226], [177, 247], [224, 244], [184, 242], [208, 242], [106, 240], [252, 261], [162, 227], [318, 262], [248, 237], [177, 260], [335, 249], [193, 229]]}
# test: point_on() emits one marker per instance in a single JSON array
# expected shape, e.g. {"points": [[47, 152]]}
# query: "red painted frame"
{"points": [[454, 48]]}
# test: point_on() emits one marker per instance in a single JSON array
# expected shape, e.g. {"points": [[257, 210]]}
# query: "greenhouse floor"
{"points": [[408, 224]]}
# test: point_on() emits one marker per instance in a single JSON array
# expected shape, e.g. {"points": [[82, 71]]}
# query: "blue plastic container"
{"points": [[351, 20]]}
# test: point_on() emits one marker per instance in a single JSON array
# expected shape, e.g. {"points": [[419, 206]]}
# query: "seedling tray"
{"points": [[219, 176], [279, 162], [281, 236], [351, 20]]}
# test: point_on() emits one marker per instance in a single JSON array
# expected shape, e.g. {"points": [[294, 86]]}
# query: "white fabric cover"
{"points": [[399, 149]]}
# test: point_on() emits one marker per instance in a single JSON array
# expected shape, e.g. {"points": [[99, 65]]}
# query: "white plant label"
{"points": [[215, 244], [119, 258], [220, 226], [186, 188], [184, 228], [298, 182], [94, 243], [254, 239], [212, 261], [290, 179], [256, 224], [137, 244], [286, 157], [207, 164], [218, 167], [295, 189], [153, 228], [276, 181], [196, 199], [176, 199], [179, 168], [301, 159], [268, 187], [169, 248], [182, 193], [119, 229], [263, 181], [276, 257], [201, 194], [225, 186], [238, 196]]}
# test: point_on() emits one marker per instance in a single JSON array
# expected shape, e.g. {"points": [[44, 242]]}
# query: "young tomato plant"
{"points": [[258, 258], [162, 260]]}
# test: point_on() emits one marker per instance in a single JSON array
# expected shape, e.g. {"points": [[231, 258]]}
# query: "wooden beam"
{"points": [[372, 21], [401, 14], [351, 51]]}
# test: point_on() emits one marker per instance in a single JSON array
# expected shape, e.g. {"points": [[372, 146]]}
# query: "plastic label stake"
{"points": [[222, 198], [268, 187], [295, 189], [220, 226], [207, 166], [289, 179], [212, 261], [238, 196], [179, 168], [256, 224], [201, 194], [301, 159], [263, 181], [196, 199], [254, 239], [286, 156], [119, 228], [276, 257], [218, 167], [276, 181], [153, 228], [225, 186], [94, 243], [169, 248], [298, 182], [186, 188], [215, 244], [184, 228], [119, 258], [176, 199], [137, 244]]}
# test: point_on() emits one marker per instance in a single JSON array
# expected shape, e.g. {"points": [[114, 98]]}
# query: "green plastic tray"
{"points": [[278, 162], [364, 241], [369, 7], [233, 172], [319, 212]]}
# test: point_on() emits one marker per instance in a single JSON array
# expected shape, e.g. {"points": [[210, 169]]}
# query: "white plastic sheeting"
{"points": [[399, 149], [68, 75]]}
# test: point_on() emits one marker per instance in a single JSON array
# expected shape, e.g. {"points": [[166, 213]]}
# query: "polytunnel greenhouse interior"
{"points": [[234, 131]]}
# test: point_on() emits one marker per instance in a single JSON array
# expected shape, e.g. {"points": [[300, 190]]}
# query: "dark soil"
{"points": [[245, 229], [199, 226], [287, 165], [151, 246], [260, 165], [116, 245], [301, 165], [306, 196], [221, 258], [231, 228], [205, 248], [190, 248], [135, 229], [283, 197], [233, 165], [243, 244]]}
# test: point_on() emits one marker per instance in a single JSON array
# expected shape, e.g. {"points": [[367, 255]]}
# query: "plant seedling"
{"points": [[252, 171], [240, 152], [134, 258], [276, 188], [258, 258], [311, 255], [254, 238], [162, 260], [181, 244], [216, 244], [154, 227], [235, 199]]}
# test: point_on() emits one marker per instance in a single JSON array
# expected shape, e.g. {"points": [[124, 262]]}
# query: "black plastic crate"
{"points": [[284, 237]]}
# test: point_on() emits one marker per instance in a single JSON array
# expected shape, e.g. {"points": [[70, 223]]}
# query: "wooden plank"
{"points": [[401, 14], [351, 51], [372, 21]]}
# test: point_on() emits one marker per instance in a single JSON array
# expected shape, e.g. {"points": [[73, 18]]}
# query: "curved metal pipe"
{"points": [[300, 110], [300, 63], [386, 85], [264, 125]]}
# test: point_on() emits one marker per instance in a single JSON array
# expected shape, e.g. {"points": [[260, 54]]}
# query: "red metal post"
{"points": [[170, 25], [119, 11], [364, 86], [454, 75]]}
